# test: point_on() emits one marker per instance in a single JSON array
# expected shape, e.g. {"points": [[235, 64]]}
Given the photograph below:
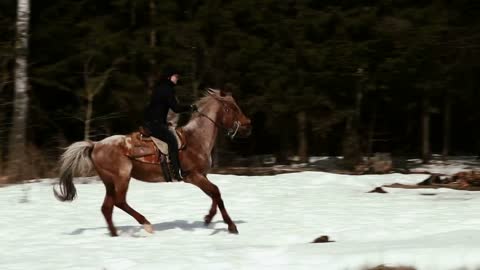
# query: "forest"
{"points": [[317, 78]]}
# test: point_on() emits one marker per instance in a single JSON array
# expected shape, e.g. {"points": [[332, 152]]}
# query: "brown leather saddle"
{"points": [[146, 136], [143, 147]]}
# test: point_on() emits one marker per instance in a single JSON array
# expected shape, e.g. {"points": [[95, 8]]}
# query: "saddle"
{"points": [[146, 136], [143, 147]]}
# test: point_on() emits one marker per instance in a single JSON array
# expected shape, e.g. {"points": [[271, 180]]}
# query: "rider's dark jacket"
{"points": [[163, 98]]}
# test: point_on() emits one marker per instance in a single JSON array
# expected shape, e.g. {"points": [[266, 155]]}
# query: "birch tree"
{"points": [[17, 142]]}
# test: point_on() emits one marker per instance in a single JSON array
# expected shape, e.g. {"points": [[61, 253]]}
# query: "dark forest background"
{"points": [[329, 77]]}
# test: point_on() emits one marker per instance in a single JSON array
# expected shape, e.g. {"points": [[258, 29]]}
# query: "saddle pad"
{"points": [[161, 145]]}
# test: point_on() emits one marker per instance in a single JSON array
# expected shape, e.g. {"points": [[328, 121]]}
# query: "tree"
{"points": [[6, 57], [291, 64], [18, 139], [93, 85]]}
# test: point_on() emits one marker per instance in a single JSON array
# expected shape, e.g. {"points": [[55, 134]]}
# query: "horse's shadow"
{"points": [[163, 226]]}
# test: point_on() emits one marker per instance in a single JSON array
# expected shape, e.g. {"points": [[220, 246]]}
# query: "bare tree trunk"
{"points": [[195, 82], [88, 118], [446, 126], [4, 81], [2, 120], [153, 44], [153, 15], [426, 130], [371, 131], [352, 150], [93, 86], [283, 149], [302, 136], [17, 142], [133, 13], [358, 106]]}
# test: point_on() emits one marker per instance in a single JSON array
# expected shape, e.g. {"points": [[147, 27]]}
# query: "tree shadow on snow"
{"points": [[163, 226]]}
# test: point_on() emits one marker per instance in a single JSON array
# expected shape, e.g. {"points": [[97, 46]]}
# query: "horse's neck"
{"points": [[202, 131]]}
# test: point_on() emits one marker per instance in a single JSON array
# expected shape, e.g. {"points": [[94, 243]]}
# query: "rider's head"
{"points": [[171, 74]]}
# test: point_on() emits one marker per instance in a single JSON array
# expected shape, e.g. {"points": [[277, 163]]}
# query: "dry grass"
{"points": [[37, 164]]}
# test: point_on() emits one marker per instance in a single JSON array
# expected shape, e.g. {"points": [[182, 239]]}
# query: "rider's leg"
{"points": [[167, 136]]}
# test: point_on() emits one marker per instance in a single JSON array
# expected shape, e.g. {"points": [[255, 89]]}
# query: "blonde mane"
{"points": [[209, 96], [204, 101]]}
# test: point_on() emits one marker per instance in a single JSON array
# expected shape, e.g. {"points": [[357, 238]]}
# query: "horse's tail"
{"points": [[75, 161]]}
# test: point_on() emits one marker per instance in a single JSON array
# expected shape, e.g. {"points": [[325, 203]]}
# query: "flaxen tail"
{"points": [[75, 161]]}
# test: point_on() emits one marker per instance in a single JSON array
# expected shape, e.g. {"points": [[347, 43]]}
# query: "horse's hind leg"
{"points": [[212, 190], [107, 207], [121, 202]]}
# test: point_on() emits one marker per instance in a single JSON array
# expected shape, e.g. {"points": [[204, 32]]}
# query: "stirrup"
{"points": [[181, 175]]}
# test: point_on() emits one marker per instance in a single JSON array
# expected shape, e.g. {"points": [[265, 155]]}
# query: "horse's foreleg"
{"points": [[121, 202], [232, 228], [212, 190]]}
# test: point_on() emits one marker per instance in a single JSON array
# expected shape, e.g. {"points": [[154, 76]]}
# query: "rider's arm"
{"points": [[173, 103]]}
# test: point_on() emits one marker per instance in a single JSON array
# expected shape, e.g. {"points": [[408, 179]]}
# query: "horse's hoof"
{"points": [[148, 228], [113, 232], [232, 229], [207, 220]]}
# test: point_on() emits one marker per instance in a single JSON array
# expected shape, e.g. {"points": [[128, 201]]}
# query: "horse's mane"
{"points": [[210, 95], [201, 103]]}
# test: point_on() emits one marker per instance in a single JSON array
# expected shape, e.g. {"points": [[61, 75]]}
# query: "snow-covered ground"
{"points": [[277, 217], [448, 167]]}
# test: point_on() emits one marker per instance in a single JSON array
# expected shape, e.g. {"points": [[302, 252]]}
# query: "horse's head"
{"points": [[230, 115]]}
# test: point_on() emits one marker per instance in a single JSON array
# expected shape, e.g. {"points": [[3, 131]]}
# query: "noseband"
{"points": [[231, 132]]}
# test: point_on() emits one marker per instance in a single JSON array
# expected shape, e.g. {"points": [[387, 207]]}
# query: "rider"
{"points": [[162, 99]]}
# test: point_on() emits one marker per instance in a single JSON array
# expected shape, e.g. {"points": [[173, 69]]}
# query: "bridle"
{"points": [[231, 132]]}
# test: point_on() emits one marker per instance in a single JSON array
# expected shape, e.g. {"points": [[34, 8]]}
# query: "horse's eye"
{"points": [[227, 109]]}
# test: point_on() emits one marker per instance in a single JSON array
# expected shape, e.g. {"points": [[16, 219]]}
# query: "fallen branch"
{"points": [[455, 186], [251, 171]]}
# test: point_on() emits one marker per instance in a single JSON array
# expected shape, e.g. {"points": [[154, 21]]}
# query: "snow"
{"points": [[277, 217], [448, 167]]}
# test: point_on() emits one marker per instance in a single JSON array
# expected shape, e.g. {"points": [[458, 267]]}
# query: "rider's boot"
{"points": [[178, 173]]}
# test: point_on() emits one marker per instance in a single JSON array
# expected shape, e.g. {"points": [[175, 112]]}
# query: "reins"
{"points": [[231, 132], [211, 120]]}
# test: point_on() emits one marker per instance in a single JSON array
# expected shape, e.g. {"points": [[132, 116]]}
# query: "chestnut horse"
{"points": [[217, 110]]}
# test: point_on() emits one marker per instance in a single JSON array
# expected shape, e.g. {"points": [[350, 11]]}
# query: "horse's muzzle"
{"points": [[245, 131]]}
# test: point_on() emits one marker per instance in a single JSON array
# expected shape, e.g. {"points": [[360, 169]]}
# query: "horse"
{"points": [[107, 158]]}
